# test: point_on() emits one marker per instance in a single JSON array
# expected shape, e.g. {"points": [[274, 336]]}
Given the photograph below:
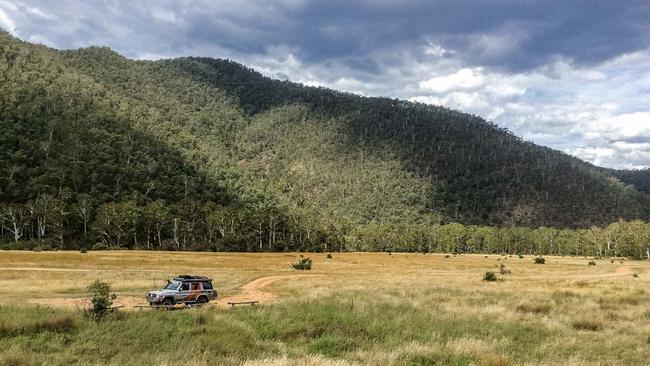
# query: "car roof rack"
{"points": [[187, 278]]}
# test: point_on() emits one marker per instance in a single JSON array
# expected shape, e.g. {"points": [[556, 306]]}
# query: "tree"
{"points": [[83, 210], [16, 220], [114, 222], [155, 217]]}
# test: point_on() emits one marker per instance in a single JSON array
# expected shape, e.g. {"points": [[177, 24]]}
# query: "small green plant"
{"points": [[83, 251], [447, 256], [592, 263], [540, 260], [489, 276], [521, 256], [303, 264], [101, 300], [636, 275], [329, 256]]}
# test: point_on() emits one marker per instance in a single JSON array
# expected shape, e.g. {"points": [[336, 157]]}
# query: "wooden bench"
{"points": [[242, 303]]}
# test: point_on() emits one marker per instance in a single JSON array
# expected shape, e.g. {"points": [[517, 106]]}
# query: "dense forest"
{"points": [[195, 153]]}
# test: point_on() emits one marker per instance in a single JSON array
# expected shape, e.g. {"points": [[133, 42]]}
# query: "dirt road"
{"points": [[251, 291]]}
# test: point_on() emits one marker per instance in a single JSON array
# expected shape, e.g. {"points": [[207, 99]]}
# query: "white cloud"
{"points": [[6, 22], [461, 79]]}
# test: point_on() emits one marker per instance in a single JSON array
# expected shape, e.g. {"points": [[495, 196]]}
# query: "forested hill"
{"points": [[96, 147]]}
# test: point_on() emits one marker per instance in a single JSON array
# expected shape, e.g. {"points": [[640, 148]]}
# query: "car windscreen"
{"points": [[172, 285]]}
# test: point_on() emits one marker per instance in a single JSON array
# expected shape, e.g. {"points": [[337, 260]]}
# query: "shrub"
{"points": [[101, 299], [329, 256], [592, 263], [303, 264], [12, 246], [83, 251], [540, 260], [489, 276], [521, 256], [529, 308], [446, 255], [636, 275]]}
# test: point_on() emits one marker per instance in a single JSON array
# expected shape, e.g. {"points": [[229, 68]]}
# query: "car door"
{"points": [[195, 291], [183, 292]]}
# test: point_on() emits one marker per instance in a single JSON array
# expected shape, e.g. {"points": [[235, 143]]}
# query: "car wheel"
{"points": [[168, 301], [202, 300]]}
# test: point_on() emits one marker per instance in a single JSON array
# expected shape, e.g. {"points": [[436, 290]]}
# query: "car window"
{"points": [[196, 286], [207, 285], [172, 286], [185, 287]]}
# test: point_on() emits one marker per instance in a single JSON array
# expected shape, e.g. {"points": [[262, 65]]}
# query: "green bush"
{"points": [[329, 256], [303, 264], [592, 263], [83, 251], [540, 260], [521, 256], [489, 276], [101, 300]]}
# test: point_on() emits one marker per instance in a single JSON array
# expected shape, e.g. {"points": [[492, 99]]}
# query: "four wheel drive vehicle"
{"points": [[184, 289]]}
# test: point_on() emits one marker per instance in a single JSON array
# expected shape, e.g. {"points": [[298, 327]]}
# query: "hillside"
{"points": [[196, 149]]}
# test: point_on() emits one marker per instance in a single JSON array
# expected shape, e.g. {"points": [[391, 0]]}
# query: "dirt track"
{"points": [[252, 291]]}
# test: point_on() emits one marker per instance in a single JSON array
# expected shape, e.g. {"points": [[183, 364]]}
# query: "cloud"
{"points": [[6, 22], [572, 75]]}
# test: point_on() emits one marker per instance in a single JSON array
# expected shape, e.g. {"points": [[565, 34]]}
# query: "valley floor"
{"points": [[353, 308]]}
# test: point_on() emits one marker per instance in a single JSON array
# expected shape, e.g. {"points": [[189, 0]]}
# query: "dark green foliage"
{"points": [[303, 264], [101, 300], [489, 276], [539, 260], [329, 256], [592, 263], [204, 154]]}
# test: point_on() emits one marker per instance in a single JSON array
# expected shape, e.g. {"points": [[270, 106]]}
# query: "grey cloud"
{"points": [[540, 63]]}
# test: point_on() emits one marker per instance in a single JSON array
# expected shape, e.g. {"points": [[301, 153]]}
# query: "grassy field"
{"points": [[354, 308]]}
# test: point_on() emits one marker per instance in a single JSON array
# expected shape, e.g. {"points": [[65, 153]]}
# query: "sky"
{"points": [[572, 75]]}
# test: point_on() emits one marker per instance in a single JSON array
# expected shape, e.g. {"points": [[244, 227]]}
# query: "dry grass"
{"points": [[552, 299]]}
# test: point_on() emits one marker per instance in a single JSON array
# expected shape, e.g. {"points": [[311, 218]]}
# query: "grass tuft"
{"points": [[587, 324], [531, 308]]}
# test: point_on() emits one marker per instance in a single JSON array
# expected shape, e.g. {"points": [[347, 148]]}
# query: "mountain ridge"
{"points": [[320, 160]]}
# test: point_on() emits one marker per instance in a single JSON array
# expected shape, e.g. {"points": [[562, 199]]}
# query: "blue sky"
{"points": [[573, 75]]}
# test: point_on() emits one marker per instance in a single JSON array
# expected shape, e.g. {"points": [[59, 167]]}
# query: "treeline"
{"points": [[52, 223], [199, 154]]}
